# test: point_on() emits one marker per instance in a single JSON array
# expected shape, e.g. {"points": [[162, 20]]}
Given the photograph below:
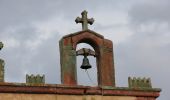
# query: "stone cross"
{"points": [[84, 20]]}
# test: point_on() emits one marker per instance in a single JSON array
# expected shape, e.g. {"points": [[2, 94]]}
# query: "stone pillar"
{"points": [[68, 62], [106, 64]]}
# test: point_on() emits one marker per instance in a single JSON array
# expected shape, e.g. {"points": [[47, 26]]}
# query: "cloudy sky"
{"points": [[139, 29]]}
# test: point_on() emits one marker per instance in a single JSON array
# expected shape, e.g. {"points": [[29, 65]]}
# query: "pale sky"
{"points": [[139, 29]]}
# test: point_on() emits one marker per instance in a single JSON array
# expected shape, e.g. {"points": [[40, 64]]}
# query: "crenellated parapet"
{"points": [[2, 64], [35, 79], [139, 82], [2, 71]]}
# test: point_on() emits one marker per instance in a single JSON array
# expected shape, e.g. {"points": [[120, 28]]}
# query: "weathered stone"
{"points": [[139, 82], [35, 79], [84, 20], [76, 90], [103, 48], [2, 71]]}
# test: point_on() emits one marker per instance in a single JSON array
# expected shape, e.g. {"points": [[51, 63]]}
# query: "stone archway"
{"points": [[103, 48]]}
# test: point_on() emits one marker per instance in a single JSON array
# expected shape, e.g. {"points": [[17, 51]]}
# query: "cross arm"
{"points": [[91, 21], [78, 20]]}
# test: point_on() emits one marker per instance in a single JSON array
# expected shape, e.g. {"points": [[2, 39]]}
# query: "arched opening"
{"points": [[86, 77], [103, 53]]}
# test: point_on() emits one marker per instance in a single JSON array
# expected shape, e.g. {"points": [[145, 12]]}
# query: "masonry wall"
{"points": [[12, 96]]}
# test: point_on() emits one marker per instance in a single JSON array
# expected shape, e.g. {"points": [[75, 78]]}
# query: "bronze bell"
{"points": [[85, 64]]}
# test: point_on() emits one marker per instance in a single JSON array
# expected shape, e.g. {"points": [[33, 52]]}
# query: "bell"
{"points": [[85, 64]]}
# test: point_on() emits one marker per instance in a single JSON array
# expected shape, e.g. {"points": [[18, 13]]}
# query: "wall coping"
{"points": [[77, 90]]}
